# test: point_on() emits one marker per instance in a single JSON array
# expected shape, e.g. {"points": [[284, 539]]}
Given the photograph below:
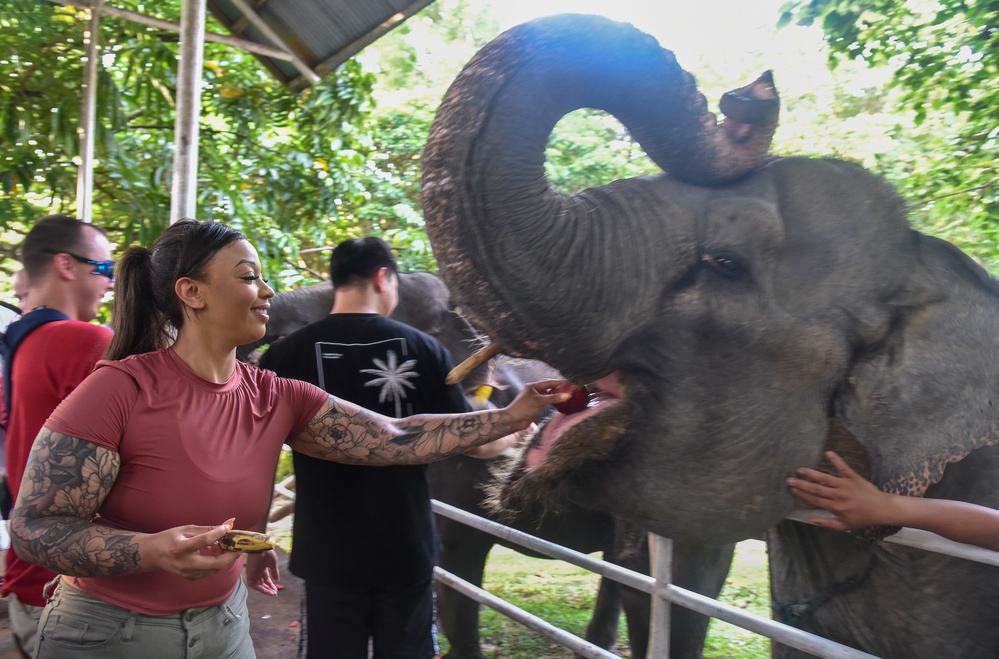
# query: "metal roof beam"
{"points": [[169, 26], [355, 47], [268, 32]]}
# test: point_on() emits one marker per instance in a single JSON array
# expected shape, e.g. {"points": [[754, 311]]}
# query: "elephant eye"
{"points": [[729, 264]]}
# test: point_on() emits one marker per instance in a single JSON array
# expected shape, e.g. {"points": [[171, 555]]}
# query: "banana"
{"points": [[248, 542]]}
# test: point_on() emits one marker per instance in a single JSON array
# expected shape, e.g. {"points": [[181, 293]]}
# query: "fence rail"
{"points": [[660, 588], [920, 540], [529, 620]]}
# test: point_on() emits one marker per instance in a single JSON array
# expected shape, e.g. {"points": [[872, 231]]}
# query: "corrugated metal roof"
{"points": [[321, 33]]}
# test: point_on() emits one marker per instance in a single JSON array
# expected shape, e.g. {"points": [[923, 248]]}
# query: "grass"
{"points": [[747, 587], [563, 595]]}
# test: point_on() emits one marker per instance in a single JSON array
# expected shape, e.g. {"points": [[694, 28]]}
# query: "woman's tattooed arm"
{"points": [[343, 432], [65, 482]]}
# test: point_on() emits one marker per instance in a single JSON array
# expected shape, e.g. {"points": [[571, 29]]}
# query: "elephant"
{"points": [[741, 313], [424, 303]]}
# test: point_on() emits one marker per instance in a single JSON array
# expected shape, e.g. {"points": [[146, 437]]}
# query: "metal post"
{"points": [[661, 559], [85, 130], [183, 199]]}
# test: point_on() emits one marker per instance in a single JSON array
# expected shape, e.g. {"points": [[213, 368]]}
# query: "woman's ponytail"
{"points": [[137, 324]]}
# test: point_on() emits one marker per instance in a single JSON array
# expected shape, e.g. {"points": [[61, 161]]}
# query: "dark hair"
{"points": [[146, 309], [52, 233], [359, 259]]}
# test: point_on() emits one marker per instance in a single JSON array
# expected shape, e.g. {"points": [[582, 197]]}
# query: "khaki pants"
{"points": [[78, 625], [24, 624]]}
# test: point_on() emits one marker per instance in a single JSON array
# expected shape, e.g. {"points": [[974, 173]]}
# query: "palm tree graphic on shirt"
{"points": [[393, 378]]}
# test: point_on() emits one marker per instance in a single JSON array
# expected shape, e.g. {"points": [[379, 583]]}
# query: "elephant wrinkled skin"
{"points": [[425, 303], [742, 313]]}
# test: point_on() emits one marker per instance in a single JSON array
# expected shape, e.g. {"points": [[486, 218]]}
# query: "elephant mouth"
{"points": [[564, 451], [604, 393]]}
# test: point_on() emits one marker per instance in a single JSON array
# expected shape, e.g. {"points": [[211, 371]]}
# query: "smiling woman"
{"points": [[130, 479]]}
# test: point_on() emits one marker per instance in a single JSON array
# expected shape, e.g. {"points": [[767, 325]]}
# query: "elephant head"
{"points": [[733, 310]]}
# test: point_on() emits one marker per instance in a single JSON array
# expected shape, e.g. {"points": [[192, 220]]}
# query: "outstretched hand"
{"points": [[190, 551], [854, 500], [533, 398]]}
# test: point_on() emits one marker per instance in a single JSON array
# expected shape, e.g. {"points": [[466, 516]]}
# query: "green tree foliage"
{"points": [[295, 172], [287, 169], [945, 59], [300, 172]]}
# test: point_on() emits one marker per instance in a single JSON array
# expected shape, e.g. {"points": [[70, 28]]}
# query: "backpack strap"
{"points": [[16, 332]]}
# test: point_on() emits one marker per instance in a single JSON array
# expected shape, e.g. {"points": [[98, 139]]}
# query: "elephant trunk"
{"points": [[517, 253]]}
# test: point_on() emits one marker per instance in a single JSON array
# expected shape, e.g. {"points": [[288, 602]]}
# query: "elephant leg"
{"points": [[637, 611], [696, 567], [631, 551], [463, 553], [701, 569], [602, 630]]}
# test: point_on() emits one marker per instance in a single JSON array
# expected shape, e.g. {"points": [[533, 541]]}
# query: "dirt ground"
{"points": [[275, 622]]}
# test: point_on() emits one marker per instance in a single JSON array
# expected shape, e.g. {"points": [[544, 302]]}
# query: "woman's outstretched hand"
{"points": [[532, 399]]}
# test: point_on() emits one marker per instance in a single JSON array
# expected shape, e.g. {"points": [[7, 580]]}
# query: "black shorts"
{"points": [[337, 624]]}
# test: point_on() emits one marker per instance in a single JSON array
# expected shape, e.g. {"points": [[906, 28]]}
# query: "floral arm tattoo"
{"points": [[65, 482], [343, 432]]}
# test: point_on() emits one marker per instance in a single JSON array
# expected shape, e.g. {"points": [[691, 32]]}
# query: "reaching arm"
{"points": [[66, 481], [343, 432], [858, 503], [502, 446]]}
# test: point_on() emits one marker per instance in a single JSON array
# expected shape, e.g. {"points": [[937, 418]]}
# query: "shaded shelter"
{"points": [[297, 41]]}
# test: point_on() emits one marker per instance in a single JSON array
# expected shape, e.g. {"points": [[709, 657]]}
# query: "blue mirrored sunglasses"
{"points": [[102, 268]]}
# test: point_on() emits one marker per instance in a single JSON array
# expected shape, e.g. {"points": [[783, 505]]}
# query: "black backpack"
{"points": [[11, 338], [17, 332]]}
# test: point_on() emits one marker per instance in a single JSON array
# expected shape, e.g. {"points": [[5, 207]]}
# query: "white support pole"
{"points": [[88, 113], [661, 565], [184, 195]]}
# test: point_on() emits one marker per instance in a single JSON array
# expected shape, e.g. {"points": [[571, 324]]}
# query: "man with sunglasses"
{"points": [[48, 352]]}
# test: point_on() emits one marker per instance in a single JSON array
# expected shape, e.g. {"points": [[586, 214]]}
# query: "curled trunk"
{"points": [[514, 251]]}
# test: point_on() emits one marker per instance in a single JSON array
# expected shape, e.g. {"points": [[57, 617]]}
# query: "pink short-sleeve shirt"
{"points": [[192, 452]]}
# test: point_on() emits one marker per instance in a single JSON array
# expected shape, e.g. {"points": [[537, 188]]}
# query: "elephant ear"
{"points": [[926, 396]]}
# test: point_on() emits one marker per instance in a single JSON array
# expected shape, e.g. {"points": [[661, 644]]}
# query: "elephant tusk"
{"points": [[461, 371]]}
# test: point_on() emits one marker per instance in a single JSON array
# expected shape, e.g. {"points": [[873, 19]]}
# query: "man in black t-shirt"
{"points": [[364, 539]]}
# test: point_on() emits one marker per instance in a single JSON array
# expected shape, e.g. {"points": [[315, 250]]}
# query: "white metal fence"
{"points": [[659, 585], [664, 592]]}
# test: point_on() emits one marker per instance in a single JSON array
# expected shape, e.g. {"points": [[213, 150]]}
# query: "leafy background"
{"points": [[903, 87], [908, 96]]}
